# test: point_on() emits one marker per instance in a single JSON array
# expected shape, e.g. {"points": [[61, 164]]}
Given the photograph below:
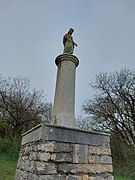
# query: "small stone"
{"points": [[33, 156], [19, 162], [80, 153], [61, 157], [63, 147], [93, 159], [32, 167], [85, 177], [26, 151], [92, 178], [47, 147], [106, 159], [73, 177], [67, 168], [18, 175], [27, 165], [77, 168], [104, 151], [33, 177], [34, 148], [87, 168], [105, 176], [45, 168], [105, 168], [92, 150], [44, 156], [52, 177]]}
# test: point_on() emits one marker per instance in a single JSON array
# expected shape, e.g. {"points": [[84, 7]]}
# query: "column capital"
{"points": [[67, 57]]}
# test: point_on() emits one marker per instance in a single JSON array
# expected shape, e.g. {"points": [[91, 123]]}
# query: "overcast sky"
{"points": [[31, 38]]}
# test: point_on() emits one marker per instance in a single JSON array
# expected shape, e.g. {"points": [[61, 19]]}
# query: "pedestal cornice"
{"points": [[67, 57]]}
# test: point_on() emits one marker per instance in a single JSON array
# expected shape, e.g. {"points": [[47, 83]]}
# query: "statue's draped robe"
{"points": [[68, 44]]}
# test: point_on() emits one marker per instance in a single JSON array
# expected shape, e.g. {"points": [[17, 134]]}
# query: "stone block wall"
{"points": [[58, 153]]}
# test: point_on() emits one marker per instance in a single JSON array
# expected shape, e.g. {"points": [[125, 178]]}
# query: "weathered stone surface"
{"points": [[34, 147], [47, 146], [93, 149], [64, 154], [19, 162], [21, 175], [106, 176], [43, 156], [99, 150], [92, 178], [105, 168], [25, 163], [77, 168], [32, 167], [18, 174], [85, 177], [33, 155], [45, 168], [80, 153], [33, 176], [64, 101], [93, 159], [32, 135], [73, 177], [104, 151], [63, 147], [53, 177], [106, 159], [68, 135], [62, 157]]}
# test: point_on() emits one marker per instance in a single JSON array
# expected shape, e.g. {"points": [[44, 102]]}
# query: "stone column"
{"points": [[64, 101]]}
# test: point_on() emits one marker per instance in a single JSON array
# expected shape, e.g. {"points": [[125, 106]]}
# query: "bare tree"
{"points": [[113, 105], [21, 107]]}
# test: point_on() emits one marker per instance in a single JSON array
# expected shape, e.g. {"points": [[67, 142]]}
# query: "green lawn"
{"points": [[123, 173], [7, 167], [123, 178]]}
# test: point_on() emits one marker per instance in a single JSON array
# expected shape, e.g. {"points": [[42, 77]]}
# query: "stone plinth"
{"points": [[58, 153], [64, 101]]}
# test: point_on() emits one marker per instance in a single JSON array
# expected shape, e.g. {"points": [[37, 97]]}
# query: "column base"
{"points": [[63, 120]]}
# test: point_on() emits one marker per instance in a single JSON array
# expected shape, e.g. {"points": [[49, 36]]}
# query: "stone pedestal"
{"points": [[58, 153], [64, 101]]}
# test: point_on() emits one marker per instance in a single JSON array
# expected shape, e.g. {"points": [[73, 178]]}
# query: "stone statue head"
{"points": [[70, 31]]}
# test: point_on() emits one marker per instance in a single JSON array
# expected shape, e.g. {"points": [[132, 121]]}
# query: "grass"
{"points": [[7, 167], [9, 150], [124, 173], [120, 177]]}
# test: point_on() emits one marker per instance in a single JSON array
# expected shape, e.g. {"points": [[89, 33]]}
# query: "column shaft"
{"points": [[64, 101]]}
